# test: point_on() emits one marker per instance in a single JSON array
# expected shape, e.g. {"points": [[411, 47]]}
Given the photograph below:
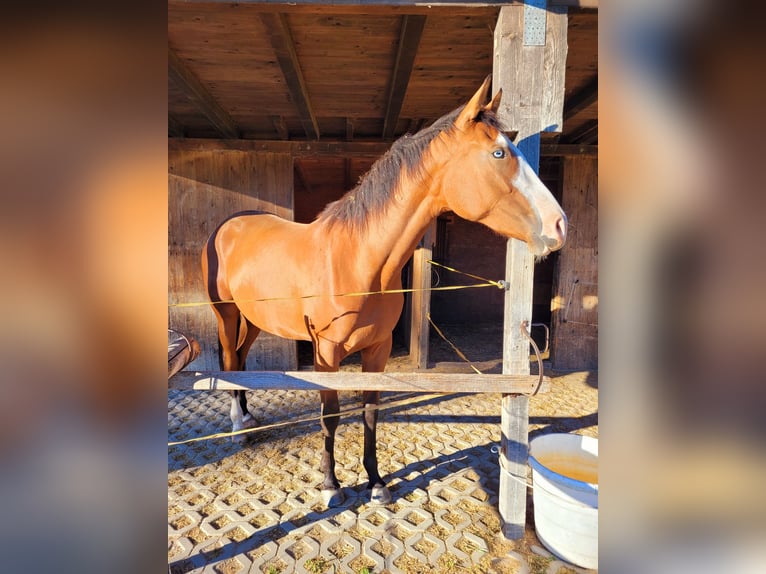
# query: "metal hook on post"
{"points": [[526, 333]]}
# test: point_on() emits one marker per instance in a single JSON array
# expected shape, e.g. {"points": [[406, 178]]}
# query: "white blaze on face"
{"points": [[546, 208]]}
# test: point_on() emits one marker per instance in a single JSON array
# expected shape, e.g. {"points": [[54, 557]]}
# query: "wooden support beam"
{"points": [[284, 48], [421, 298], [369, 149], [532, 80], [409, 40], [185, 79], [386, 7], [361, 149], [353, 381], [582, 99]]}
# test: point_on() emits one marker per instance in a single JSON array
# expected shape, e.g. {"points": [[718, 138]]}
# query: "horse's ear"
{"points": [[474, 106], [495, 103]]}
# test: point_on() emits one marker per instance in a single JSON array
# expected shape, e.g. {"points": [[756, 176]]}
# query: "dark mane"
{"points": [[376, 188]]}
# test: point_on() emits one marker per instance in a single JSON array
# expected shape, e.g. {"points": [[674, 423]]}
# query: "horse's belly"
{"points": [[278, 318]]}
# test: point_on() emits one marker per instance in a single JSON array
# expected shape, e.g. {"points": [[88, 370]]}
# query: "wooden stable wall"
{"points": [[575, 304], [205, 187]]}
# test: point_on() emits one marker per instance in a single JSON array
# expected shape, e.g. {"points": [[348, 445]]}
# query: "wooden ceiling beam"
{"points": [[457, 7], [370, 149], [185, 79], [582, 99], [409, 40], [359, 149], [284, 48]]}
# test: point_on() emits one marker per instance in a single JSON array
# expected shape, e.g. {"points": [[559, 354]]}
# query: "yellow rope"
{"points": [[353, 294], [451, 344], [400, 403], [498, 284]]}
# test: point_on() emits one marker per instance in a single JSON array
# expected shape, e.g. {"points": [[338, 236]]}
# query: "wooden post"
{"points": [[514, 416], [529, 67], [421, 299]]}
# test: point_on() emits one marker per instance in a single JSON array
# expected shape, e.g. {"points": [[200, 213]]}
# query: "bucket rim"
{"points": [[555, 476], [561, 478]]}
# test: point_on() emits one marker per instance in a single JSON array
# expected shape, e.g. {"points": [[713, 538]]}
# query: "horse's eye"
{"points": [[498, 153]]}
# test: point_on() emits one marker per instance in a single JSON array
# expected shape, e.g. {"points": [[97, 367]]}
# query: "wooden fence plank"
{"points": [[352, 381]]}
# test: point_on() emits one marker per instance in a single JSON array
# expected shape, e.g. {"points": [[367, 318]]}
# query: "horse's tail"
{"points": [[242, 332], [210, 267]]}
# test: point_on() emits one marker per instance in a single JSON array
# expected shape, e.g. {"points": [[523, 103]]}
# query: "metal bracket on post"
{"points": [[534, 22]]}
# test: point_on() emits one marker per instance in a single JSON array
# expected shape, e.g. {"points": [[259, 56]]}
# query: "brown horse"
{"points": [[462, 163]]}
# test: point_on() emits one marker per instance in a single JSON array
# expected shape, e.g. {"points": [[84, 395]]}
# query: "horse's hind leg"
{"points": [[251, 333], [374, 360], [228, 336]]}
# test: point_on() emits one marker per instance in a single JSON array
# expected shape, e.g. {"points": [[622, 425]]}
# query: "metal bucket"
{"points": [[565, 496]]}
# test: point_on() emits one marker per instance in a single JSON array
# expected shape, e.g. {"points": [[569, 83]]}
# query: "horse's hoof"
{"points": [[239, 439], [249, 422], [332, 497], [380, 495]]}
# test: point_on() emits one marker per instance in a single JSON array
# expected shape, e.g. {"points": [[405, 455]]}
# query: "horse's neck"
{"points": [[390, 241]]}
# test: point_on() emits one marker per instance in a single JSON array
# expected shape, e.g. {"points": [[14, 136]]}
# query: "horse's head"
{"points": [[486, 179]]}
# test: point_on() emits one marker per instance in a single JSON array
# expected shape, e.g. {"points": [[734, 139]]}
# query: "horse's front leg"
{"points": [[374, 360], [327, 359], [332, 495]]}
